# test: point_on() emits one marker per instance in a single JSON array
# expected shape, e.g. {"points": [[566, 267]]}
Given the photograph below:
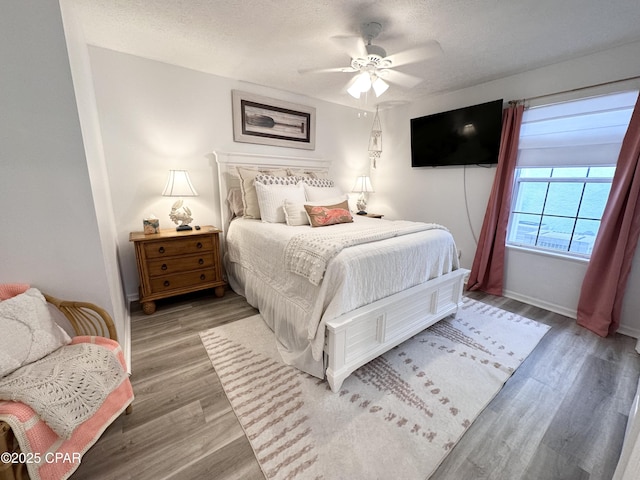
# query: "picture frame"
{"points": [[267, 121]]}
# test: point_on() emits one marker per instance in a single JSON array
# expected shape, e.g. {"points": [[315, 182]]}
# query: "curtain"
{"points": [[605, 281], [487, 272]]}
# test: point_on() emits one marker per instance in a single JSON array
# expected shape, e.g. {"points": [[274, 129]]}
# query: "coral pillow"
{"points": [[322, 216], [28, 331]]}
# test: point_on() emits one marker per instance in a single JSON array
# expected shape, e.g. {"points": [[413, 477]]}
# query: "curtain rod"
{"points": [[576, 89]]}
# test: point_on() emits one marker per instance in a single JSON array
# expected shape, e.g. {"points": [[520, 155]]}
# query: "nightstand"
{"points": [[173, 263]]}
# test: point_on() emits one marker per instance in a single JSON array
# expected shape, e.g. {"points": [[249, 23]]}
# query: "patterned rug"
{"points": [[396, 417]]}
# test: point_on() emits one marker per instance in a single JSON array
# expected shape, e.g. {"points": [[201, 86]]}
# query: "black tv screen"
{"points": [[466, 136]]}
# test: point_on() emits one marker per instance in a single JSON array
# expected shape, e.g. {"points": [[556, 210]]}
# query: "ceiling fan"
{"points": [[373, 67]]}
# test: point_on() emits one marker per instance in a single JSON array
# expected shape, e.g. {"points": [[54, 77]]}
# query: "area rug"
{"points": [[396, 417]]}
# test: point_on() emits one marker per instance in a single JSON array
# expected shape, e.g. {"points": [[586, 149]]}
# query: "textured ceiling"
{"points": [[267, 42]]}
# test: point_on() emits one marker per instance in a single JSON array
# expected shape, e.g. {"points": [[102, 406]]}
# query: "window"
{"points": [[566, 161], [559, 208]]}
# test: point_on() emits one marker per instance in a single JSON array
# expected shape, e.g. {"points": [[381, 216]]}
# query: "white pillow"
{"points": [[28, 331], [271, 200], [295, 213], [315, 194], [247, 180]]}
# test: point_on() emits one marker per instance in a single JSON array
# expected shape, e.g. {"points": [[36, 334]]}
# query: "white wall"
{"points": [[88, 114], [438, 194], [156, 116], [50, 236]]}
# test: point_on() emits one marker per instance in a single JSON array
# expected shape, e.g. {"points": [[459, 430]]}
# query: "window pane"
{"points": [[555, 233], [602, 172], [535, 172], [584, 236], [570, 172], [594, 199], [531, 197], [524, 229], [563, 199]]}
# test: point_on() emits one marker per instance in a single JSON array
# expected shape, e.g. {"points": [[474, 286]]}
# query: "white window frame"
{"points": [[518, 181]]}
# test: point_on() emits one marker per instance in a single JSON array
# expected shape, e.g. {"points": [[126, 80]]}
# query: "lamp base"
{"points": [[183, 228], [361, 212]]}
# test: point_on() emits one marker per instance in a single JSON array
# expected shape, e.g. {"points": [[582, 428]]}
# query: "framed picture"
{"points": [[267, 121]]}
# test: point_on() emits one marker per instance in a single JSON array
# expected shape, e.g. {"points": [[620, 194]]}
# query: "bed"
{"points": [[339, 296]]}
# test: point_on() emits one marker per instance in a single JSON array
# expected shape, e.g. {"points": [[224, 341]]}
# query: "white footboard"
{"points": [[358, 337]]}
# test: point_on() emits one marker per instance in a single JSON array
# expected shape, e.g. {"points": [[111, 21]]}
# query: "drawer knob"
{"points": [[161, 250], [163, 267], [199, 244], [201, 261], [203, 277], [167, 283]]}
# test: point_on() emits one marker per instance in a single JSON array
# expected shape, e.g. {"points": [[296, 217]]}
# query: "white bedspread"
{"points": [[297, 310], [308, 254]]}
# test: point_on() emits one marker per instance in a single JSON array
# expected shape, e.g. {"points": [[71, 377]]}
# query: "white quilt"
{"points": [[297, 310], [308, 254]]}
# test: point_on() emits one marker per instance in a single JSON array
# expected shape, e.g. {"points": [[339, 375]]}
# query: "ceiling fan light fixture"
{"points": [[354, 91], [379, 86], [361, 84]]}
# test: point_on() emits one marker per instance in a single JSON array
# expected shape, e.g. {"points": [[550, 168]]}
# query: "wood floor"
{"points": [[562, 415]]}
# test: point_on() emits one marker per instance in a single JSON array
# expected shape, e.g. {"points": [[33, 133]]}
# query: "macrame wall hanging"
{"points": [[375, 140]]}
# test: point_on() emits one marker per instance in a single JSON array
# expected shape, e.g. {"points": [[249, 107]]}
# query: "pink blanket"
{"points": [[9, 290], [60, 457]]}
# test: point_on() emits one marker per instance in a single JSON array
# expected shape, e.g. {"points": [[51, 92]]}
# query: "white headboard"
{"points": [[228, 175]]}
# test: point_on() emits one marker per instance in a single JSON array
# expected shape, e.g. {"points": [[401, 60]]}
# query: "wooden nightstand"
{"points": [[172, 263]]}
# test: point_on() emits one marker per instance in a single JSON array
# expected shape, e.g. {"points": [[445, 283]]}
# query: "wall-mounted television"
{"points": [[466, 136]]}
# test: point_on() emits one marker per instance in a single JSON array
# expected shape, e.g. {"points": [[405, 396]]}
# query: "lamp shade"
{"points": [[361, 84], [179, 185], [379, 86], [363, 185]]}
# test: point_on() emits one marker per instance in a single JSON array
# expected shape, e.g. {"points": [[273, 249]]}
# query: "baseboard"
{"points": [[536, 302], [132, 297], [568, 312], [630, 332]]}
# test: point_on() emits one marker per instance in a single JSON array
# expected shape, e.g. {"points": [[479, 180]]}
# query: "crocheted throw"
{"points": [[308, 254], [67, 386]]}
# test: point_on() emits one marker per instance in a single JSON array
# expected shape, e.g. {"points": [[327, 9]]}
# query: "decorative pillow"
{"points": [[273, 180], [28, 331], [318, 182], [295, 213], [271, 199], [301, 172], [249, 196], [315, 194], [234, 198], [322, 216]]}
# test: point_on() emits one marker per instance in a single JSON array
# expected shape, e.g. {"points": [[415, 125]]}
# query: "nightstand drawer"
{"points": [[182, 280], [168, 266], [183, 246]]}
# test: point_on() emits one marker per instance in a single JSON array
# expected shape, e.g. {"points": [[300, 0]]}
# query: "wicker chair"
{"points": [[85, 319]]}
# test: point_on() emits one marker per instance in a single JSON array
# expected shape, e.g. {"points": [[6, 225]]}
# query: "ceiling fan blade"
{"points": [[403, 79], [327, 70], [423, 52], [351, 45]]}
